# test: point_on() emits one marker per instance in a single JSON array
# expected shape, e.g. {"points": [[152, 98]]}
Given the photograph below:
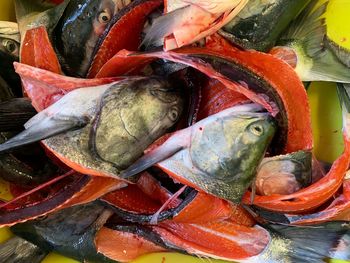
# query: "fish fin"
{"points": [[49, 127], [342, 53], [307, 243], [162, 27], [309, 27], [18, 250], [342, 251], [14, 113], [307, 35], [166, 150], [326, 67], [344, 96]]}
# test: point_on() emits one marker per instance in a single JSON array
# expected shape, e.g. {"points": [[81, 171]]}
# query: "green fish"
{"points": [[104, 129], [218, 155]]}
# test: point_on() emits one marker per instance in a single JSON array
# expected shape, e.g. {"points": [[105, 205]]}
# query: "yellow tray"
{"points": [[326, 123]]}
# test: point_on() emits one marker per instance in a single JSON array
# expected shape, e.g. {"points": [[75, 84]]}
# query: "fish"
{"points": [[79, 29], [228, 241], [303, 46], [79, 35], [284, 174], [218, 155], [70, 232], [19, 250], [252, 27], [103, 129], [186, 22], [9, 53]]}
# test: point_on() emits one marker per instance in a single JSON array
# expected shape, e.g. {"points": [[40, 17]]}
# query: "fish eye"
{"points": [[10, 46], [257, 129], [104, 17], [173, 114]]}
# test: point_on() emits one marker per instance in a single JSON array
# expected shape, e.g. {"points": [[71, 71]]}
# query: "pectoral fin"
{"points": [[47, 128], [173, 145]]}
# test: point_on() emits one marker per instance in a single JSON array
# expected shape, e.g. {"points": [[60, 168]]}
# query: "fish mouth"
{"points": [[123, 32]]}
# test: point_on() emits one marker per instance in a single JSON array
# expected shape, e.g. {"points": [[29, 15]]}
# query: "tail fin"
{"points": [[18, 250], [306, 243], [342, 251]]}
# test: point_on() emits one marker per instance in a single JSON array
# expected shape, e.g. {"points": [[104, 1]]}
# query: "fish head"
{"points": [[10, 48], [133, 115], [78, 31], [226, 152], [9, 53]]}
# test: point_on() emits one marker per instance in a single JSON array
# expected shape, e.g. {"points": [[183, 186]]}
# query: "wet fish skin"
{"points": [[19, 250], [105, 128], [78, 32], [218, 155], [9, 53], [70, 231], [284, 174], [252, 27]]}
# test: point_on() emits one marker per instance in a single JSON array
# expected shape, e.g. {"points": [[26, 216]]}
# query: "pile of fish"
{"points": [[133, 127]]}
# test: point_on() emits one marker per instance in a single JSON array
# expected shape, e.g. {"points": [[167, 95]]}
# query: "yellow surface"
{"points": [[326, 123], [338, 26]]}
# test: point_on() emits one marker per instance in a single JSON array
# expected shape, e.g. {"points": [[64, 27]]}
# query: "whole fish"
{"points": [[70, 232], [102, 130], [305, 48], [9, 53], [261, 22], [219, 154]]}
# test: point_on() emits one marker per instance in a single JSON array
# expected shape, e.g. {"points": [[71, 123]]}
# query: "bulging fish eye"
{"points": [[104, 17], [257, 129], [173, 114], [11, 46]]}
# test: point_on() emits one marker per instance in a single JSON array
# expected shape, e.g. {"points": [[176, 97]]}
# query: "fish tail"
{"points": [[18, 250], [342, 251], [311, 244], [304, 47]]}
